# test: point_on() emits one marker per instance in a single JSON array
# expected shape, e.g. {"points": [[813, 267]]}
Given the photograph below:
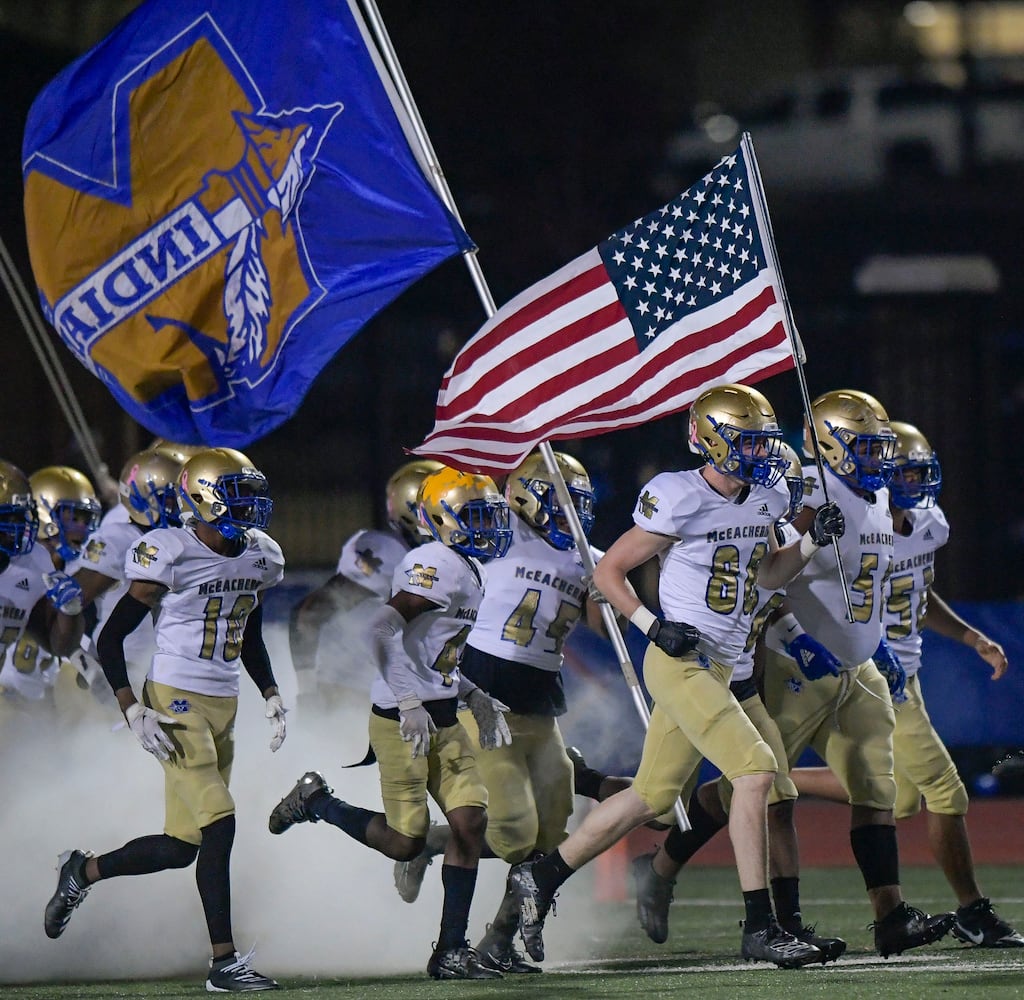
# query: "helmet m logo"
{"points": [[187, 262]]}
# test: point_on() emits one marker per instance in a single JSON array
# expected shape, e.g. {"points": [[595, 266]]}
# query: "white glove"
{"points": [[593, 593], [489, 714], [275, 712], [145, 724], [64, 592], [416, 726]]}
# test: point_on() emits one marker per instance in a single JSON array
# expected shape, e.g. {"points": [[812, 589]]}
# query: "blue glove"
{"points": [[811, 656], [63, 592], [892, 670]]}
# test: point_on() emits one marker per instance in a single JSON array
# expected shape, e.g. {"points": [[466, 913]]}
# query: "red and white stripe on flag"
{"points": [[573, 356]]}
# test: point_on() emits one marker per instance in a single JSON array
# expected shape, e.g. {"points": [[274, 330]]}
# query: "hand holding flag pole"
{"points": [[761, 210]]}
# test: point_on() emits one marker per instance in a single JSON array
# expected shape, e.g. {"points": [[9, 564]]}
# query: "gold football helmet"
{"points": [[222, 488], [400, 495], [531, 494], [174, 450], [734, 428], [18, 520], [465, 512], [148, 489], [68, 508], [854, 437], [918, 476], [793, 473]]}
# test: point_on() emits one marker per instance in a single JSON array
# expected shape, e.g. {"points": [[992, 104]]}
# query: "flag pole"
{"points": [[49, 361], [760, 203], [440, 183]]}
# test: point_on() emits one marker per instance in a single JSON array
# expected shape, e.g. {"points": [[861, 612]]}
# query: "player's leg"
{"points": [[925, 768], [454, 783]]}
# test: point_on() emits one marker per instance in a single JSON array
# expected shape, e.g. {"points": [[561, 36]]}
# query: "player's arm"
{"points": [[385, 625], [941, 618], [58, 616], [308, 617], [256, 661], [144, 722], [630, 550], [142, 597], [93, 584], [817, 527]]}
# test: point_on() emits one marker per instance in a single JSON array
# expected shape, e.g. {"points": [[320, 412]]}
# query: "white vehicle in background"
{"points": [[856, 128]]}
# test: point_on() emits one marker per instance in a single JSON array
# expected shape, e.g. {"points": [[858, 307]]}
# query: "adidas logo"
{"points": [[928, 536], [764, 511], [22, 584], [260, 563]]}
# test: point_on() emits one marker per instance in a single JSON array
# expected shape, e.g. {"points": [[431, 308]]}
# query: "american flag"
{"points": [[633, 330]]}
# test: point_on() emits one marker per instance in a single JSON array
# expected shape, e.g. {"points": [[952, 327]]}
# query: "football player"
{"points": [[40, 607], [923, 766], [148, 498], [206, 581], [847, 719], [534, 597], [711, 530], [365, 568], [416, 640], [68, 511]]}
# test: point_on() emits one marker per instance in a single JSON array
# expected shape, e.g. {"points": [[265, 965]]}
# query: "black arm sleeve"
{"points": [[255, 657], [123, 620]]}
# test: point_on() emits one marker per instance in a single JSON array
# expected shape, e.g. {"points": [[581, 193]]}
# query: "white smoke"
{"points": [[313, 900]]}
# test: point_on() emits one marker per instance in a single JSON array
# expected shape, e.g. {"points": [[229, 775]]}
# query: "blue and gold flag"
{"points": [[217, 197]]}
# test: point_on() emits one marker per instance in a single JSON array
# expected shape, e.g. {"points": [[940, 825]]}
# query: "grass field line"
{"points": [[831, 901], [865, 963]]}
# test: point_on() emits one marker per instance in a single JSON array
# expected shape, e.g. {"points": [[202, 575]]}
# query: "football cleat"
{"points": [[906, 927], [461, 962], [773, 944], [831, 948], [979, 924], [496, 951], [292, 808], [653, 898], [233, 974], [533, 906], [71, 890], [409, 874]]}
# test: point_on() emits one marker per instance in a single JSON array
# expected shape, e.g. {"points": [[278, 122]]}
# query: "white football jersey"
{"points": [[906, 591], [534, 596], [369, 558], [27, 667], [708, 577], [104, 553], [201, 619], [431, 644], [816, 594]]}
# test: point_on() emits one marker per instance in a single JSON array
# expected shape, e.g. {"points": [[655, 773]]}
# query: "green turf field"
{"points": [[598, 950]]}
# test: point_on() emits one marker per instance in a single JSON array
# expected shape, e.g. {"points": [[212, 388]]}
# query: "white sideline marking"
{"points": [[865, 963]]}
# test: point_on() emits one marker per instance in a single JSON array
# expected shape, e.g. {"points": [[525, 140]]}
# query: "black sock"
{"points": [[786, 894], [550, 872], [877, 854], [213, 877], [680, 846], [758, 905], [144, 855], [459, 884], [351, 819]]}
